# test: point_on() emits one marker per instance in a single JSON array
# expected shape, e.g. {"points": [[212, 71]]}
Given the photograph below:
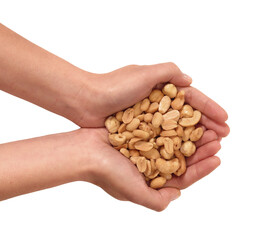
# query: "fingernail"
{"points": [[187, 77], [176, 196]]}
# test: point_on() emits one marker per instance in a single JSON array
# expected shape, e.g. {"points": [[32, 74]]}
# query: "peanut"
{"points": [[158, 182], [112, 124], [135, 122], [128, 115], [156, 134], [156, 95]]}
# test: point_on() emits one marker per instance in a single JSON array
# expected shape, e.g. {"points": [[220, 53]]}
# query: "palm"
{"points": [[121, 179]]}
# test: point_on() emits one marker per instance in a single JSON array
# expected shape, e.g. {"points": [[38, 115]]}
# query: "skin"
{"points": [[31, 73]]}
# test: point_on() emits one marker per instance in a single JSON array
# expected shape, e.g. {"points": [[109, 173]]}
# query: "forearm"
{"points": [[39, 163], [31, 73]]}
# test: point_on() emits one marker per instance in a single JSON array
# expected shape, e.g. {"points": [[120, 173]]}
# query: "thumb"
{"points": [[167, 72]]}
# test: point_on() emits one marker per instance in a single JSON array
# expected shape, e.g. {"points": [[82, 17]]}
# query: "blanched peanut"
{"points": [[145, 127], [158, 182]]}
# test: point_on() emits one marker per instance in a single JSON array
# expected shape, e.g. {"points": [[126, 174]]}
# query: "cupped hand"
{"points": [[118, 176], [105, 94], [122, 88]]}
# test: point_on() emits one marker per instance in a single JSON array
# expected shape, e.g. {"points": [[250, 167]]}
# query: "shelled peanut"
{"points": [[157, 134]]}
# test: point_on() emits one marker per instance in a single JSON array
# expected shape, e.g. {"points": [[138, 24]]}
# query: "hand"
{"points": [[108, 93], [117, 175], [105, 94]]}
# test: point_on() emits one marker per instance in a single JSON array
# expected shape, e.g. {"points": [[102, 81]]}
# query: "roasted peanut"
{"points": [[157, 134], [153, 107], [186, 111], [151, 154], [170, 90], [117, 139], [137, 109], [128, 115], [148, 117], [143, 146], [187, 122], [158, 182], [112, 124], [145, 105], [164, 104], [135, 122], [188, 148], [170, 166], [141, 134], [119, 116], [186, 133], [169, 124], [125, 152], [156, 95], [196, 134], [178, 102], [157, 119]]}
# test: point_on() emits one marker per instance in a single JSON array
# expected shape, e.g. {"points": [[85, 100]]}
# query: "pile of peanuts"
{"points": [[157, 134]]}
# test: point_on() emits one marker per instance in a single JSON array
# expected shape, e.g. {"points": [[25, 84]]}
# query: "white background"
{"points": [[216, 42]]}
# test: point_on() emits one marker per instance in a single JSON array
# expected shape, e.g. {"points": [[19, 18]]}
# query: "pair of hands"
{"points": [[114, 91]]}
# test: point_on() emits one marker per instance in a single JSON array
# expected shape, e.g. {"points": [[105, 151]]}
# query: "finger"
{"points": [[222, 129], [204, 104], [207, 137], [156, 200], [194, 173], [167, 72], [203, 152]]}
